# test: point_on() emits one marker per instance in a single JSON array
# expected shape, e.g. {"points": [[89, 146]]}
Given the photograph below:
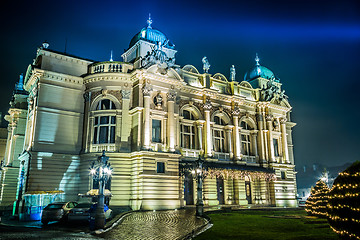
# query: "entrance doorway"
{"points": [[220, 190], [189, 189], [248, 192]]}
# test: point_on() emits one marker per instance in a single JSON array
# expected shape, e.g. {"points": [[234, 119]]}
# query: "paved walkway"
{"points": [[156, 225]]}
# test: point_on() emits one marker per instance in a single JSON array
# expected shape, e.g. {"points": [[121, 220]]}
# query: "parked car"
{"points": [[57, 211], [80, 213], [83, 211]]}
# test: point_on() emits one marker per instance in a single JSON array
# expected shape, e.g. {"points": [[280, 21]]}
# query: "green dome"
{"points": [[259, 71], [151, 35]]}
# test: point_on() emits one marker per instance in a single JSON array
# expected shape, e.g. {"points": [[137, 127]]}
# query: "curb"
{"points": [[199, 230]]}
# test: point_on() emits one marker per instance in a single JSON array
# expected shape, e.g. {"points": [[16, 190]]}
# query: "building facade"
{"points": [[153, 118]]}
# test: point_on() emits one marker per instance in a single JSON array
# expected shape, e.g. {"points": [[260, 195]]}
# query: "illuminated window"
{"points": [[156, 131], [160, 167], [219, 140], [219, 135], [105, 104], [219, 121], [187, 131], [246, 139], [276, 147], [104, 125], [188, 115]]}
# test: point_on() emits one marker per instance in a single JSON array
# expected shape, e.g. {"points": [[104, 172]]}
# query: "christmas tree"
{"points": [[317, 201], [344, 203]]}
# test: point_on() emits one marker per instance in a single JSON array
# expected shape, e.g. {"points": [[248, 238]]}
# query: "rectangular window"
{"points": [[276, 147], [187, 136], [219, 141], [112, 134], [104, 129], [156, 131], [160, 167], [103, 136], [283, 175], [245, 144]]}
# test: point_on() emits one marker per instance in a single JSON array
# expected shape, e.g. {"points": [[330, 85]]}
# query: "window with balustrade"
{"points": [[246, 148], [104, 122], [219, 135], [187, 130]]}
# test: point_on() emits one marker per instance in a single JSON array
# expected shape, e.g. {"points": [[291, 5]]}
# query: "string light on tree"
{"points": [[344, 203]]}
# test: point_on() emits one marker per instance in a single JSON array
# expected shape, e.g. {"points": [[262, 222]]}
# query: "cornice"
{"points": [[108, 76], [35, 76]]}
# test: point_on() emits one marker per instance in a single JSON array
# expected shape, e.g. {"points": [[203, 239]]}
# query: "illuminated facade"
{"points": [[153, 118]]}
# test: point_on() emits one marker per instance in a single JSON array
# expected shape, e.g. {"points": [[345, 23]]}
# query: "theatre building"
{"points": [[153, 118]]}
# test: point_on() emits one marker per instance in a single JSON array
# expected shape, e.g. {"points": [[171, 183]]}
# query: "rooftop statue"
{"points": [[272, 90], [206, 64], [158, 56], [232, 73]]}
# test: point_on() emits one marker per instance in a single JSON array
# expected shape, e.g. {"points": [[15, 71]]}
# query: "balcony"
{"points": [[248, 159], [222, 156], [109, 67], [190, 152], [102, 147]]}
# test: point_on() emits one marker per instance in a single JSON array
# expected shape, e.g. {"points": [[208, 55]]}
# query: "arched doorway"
{"points": [[189, 189], [248, 190], [220, 190]]}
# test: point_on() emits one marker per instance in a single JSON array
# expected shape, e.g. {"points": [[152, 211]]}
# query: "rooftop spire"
{"points": [[149, 21], [111, 56], [257, 59]]}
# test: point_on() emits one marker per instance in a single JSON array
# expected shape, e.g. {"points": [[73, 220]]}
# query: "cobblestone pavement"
{"points": [[156, 225]]}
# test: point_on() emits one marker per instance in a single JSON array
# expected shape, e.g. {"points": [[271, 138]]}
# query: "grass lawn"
{"points": [[267, 224]]}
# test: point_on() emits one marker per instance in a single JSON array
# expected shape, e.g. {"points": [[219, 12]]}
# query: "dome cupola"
{"points": [[259, 71], [151, 35]]}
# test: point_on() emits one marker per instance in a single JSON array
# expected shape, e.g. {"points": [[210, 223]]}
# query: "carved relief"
{"points": [[269, 117], [125, 94], [259, 117], [207, 105], [86, 96], [147, 88], [115, 93], [282, 120], [171, 95], [158, 101]]}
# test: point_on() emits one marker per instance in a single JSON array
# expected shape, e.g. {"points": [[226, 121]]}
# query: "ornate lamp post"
{"points": [[101, 170], [199, 175]]}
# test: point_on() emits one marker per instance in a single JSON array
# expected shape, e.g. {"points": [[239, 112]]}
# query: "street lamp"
{"points": [[199, 175], [101, 170]]}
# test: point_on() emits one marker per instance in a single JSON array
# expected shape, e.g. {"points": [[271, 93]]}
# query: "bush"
{"points": [[317, 201], [344, 203]]}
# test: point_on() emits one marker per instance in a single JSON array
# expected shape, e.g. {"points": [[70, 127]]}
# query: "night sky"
{"points": [[312, 46]]}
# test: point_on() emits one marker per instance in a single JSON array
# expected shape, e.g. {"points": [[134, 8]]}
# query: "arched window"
{"points": [[246, 148], [219, 135], [187, 130], [104, 124], [105, 104]]}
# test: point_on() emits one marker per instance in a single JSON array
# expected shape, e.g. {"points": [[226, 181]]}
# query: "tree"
{"points": [[318, 199], [344, 203]]}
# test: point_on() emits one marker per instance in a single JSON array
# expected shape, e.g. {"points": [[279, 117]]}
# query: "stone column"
{"points": [[285, 149], [228, 129], [261, 142], [146, 116], [125, 121], [269, 119], [254, 144], [209, 147], [237, 143], [171, 120], [200, 126]]}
